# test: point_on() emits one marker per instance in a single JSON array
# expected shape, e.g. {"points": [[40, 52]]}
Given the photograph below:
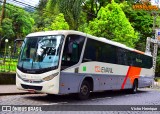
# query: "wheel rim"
{"points": [[84, 90]]}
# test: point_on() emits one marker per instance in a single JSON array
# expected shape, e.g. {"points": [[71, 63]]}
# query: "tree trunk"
{"points": [[3, 12]]}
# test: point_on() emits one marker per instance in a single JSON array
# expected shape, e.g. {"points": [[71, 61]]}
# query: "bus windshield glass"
{"points": [[40, 52]]}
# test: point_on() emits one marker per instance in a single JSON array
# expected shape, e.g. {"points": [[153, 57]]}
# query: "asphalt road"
{"points": [[143, 97]]}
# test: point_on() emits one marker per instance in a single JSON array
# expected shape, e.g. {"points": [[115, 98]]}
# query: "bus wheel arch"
{"points": [[90, 80], [85, 88]]}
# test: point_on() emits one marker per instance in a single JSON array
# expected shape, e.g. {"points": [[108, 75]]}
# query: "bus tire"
{"points": [[84, 90], [50, 95], [134, 87]]}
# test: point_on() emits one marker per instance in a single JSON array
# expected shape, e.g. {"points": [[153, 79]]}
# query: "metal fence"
{"points": [[8, 63]]}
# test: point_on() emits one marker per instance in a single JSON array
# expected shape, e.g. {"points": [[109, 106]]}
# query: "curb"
{"points": [[17, 93]]}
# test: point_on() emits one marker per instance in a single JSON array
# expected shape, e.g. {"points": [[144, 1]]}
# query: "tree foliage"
{"points": [[71, 10], [112, 23], [91, 7], [141, 21], [58, 23], [18, 22], [22, 23], [7, 28]]}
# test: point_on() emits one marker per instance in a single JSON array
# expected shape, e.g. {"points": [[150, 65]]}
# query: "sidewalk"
{"points": [[10, 90]]}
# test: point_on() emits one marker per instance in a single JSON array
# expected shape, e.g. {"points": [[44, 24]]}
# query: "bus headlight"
{"points": [[50, 77]]}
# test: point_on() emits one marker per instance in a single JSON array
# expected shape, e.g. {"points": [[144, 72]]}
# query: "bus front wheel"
{"points": [[84, 90]]}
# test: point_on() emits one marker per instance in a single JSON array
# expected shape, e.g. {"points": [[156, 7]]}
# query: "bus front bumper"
{"points": [[49, 87]]}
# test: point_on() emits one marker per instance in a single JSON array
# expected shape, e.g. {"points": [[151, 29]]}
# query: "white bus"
{"points": [[67, 61]]}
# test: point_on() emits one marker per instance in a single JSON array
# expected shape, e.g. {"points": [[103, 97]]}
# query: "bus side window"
{"points": [[72, 50], [89, 54], [121, 56], [75, 52]]}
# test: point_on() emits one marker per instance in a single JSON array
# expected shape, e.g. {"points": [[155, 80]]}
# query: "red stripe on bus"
{"points": [[124, 82], [132, 74]]}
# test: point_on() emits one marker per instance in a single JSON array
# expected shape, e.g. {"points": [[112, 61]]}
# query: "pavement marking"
{"points": [[56, 103]]}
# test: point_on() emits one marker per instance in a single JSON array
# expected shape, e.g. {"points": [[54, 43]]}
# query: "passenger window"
{"points": [[122, 56], [99, 51]]}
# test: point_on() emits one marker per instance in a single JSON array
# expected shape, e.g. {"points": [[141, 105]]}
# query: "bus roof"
{"points": [[66, 32]]}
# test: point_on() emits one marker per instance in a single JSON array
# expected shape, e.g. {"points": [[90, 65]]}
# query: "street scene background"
{"points": [[124, 21]]}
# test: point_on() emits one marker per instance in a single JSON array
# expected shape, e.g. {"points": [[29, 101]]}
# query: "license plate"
{"points": [[31, 90]]}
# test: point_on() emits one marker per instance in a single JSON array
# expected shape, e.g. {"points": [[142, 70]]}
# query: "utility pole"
{"points": [[156, 42], [3, 12], [155, 15], [1, 18]]}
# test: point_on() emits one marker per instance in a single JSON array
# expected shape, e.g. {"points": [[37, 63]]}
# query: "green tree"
{"points": [[44, 15], [141, 21], [7, 28], [91, 7], [71, 10], [16, 24], [22, 22], [112, 23], [58, 23], [38, 16]]}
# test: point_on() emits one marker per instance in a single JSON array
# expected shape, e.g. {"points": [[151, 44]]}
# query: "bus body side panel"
{"points": [[71, 82], [144, 81], [115, 77], [111, 76], [146, 78]]}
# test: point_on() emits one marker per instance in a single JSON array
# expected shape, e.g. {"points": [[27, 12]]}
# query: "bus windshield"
{"points": [[40, 52]]}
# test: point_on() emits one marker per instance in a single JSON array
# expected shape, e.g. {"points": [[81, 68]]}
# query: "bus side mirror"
{"points": [[15, 44]]}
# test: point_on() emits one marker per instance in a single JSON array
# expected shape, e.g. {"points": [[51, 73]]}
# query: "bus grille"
{"points": [[31, 87]]}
